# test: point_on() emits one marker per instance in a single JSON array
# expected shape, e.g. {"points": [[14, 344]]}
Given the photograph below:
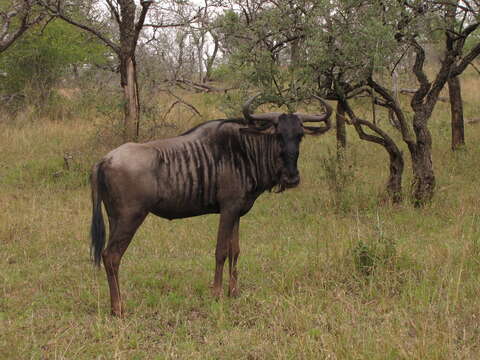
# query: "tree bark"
{"points": [[341, 131], [456, 106], [394, 184], [131, 98], [423, 186], [211, 59]]}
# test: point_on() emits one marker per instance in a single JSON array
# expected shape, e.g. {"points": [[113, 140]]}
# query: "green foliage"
{"points": [[287, 50], [377, 253], [293, 50], [45, 54]]}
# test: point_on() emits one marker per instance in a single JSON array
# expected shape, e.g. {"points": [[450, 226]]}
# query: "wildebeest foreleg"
{"points": [[120, 238], [225, 233], [233, 252]]}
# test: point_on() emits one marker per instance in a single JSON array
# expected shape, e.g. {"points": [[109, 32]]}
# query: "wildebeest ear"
{"points": [[315, 130]]}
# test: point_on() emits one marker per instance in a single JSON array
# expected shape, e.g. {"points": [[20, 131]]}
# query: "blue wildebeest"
{"points": [[220, 166]]}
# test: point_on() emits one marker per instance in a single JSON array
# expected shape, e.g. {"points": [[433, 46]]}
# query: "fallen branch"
{"points": [[472, 121], [179, 101], [191, 107], [202, 87], [10, 97]]}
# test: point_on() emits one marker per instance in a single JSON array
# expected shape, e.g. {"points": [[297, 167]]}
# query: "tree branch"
{"points": [[392, 103], [114, 11], [141, 20], [425, 85], [467, 59], [179, 24], [56, 11], [7, 36]]}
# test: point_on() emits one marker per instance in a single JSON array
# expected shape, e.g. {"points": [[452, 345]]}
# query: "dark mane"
{"points": [[221, 122]]}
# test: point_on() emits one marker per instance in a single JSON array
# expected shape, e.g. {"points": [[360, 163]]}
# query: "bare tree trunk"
{"points": [[394, 184], [200, 45], [456, 106], [423, 186], [211, 60], [341, 131], [132, 104]]}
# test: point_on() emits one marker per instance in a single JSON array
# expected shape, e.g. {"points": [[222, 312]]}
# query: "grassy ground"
{"points": [[324, 274]]}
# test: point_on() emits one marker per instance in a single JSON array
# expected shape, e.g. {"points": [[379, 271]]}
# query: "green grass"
{"points": [[324, 274]]}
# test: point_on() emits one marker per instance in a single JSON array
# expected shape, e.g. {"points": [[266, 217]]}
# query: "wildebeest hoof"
{"points": [[118, 314], [216, 293], [233, 293]]}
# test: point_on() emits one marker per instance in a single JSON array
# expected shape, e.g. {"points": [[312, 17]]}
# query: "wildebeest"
{"points": [[220, 166]]}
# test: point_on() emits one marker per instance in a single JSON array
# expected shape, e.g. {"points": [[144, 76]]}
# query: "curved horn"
{"points": [[251, 118], [317, 118]]}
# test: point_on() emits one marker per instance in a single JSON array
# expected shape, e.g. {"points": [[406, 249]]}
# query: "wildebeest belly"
{"points": [[179, 211]]}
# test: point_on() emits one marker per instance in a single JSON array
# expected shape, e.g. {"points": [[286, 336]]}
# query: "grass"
{"points": [[323, 274]]}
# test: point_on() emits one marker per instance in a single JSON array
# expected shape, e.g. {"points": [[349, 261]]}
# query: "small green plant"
{"points": [[365, 258], [377, 251], [340, 176]]}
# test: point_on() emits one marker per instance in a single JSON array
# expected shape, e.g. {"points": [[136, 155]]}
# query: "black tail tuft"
{"points": [[97, 229]]}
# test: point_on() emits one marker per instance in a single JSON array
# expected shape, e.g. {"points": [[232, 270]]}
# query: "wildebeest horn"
{"points": [[317, 118], [251, 118]]}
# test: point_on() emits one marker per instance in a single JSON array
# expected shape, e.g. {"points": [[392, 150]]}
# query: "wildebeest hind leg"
{"points": [[123, 231]]}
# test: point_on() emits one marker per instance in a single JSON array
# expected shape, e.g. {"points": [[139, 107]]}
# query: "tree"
{"points": [[456, 107], [453, 63], [454, 85], [15, 20], [339, 54], [124, 14], [413, 23], [123, 41]]}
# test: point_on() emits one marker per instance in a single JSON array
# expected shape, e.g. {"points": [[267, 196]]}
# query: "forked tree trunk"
{"points": [[394, 182], [130, 93], [211, 60], [456, 106], [341, 131], [423, 186], [380, 137]]}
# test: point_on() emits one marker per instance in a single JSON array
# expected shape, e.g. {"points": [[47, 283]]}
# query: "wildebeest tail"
{"points": [[97, 229]]}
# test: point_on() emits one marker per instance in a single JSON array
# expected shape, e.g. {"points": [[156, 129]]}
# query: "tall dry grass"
{"points": [[324, 273]]}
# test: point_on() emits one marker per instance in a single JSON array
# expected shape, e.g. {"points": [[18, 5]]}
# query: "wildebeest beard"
{"points": [[282, 186]]}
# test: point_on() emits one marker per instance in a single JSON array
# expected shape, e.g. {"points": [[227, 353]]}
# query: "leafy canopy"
{"points": [[44, 55]]}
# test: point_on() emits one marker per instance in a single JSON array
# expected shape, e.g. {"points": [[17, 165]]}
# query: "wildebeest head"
{"points": [[289, 130]]}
